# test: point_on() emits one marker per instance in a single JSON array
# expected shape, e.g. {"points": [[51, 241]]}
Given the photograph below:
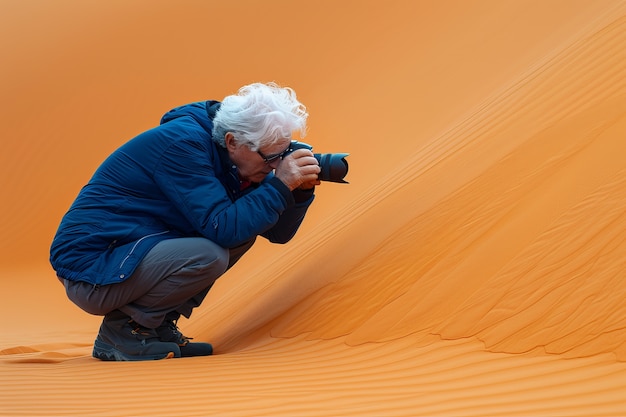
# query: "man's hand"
{"points": [[299, 169]]}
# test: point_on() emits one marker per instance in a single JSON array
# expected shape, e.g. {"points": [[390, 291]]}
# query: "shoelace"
{"points": [[138, 329], [182, 339]]}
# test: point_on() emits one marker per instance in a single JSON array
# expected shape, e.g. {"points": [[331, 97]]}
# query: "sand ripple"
{"points": [[473, 267]]}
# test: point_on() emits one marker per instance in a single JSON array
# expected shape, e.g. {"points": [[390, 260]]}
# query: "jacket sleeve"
{"points": [[289, 221], [186, 175]]}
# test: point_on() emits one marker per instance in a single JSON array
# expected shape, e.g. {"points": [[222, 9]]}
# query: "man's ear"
{"points": [[231, 142]]}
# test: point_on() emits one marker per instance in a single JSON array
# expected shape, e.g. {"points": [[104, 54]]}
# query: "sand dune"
{"points": [[473, 267]]}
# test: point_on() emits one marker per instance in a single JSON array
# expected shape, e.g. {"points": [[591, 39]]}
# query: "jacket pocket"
{"points": [[137, 243]]}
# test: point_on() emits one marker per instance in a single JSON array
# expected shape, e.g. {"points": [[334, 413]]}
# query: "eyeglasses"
{"points": [[268, 159]]}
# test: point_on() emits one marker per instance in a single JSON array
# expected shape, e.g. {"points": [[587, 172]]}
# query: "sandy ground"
{"points": [[474, 266]]}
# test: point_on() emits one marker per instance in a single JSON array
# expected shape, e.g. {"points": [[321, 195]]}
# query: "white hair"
{"points": [[260, 114]]}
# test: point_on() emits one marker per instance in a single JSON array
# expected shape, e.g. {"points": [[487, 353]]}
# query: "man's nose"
{"points": [[274, 164]]}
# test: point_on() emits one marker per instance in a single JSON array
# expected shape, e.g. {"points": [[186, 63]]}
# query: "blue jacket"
{"points": [[168, 182]]}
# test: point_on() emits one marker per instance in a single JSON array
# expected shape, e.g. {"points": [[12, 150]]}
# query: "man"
{"points": [[171, 210]]}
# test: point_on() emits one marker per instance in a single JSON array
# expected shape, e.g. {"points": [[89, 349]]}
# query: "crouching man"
{"points": [[170, 211]]}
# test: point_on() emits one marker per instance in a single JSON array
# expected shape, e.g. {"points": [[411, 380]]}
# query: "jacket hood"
{"points": [[201, 111]]}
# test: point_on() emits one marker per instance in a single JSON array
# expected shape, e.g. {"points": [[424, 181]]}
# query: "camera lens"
{"points": [[334, 166]]}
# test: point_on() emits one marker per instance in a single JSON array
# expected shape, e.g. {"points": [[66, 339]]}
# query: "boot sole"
{"points": [[106, 352]]}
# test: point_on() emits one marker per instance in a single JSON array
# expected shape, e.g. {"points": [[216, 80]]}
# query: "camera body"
{"points": [[334, 166]]}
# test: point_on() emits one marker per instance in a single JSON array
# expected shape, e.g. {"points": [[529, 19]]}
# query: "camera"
{"points": [[334, 166]]}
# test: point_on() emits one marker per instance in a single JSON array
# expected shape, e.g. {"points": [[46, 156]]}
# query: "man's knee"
{"points": [[237, 252], [210, 259]]}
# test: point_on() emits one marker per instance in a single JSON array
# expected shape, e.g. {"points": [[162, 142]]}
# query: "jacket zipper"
{"points": [[137, 243]]}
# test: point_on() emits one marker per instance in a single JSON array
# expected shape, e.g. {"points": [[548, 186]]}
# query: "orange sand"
{"points": [[473, 267]]}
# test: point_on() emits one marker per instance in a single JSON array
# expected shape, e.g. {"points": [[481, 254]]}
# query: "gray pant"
{"points": [[174, 277]]}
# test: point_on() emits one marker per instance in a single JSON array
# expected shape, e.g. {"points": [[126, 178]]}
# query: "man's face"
{"points": [[252, 165]]}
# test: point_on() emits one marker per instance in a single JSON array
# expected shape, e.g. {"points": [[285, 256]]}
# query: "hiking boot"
{"points": [[168, 332], [122, 339]]}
